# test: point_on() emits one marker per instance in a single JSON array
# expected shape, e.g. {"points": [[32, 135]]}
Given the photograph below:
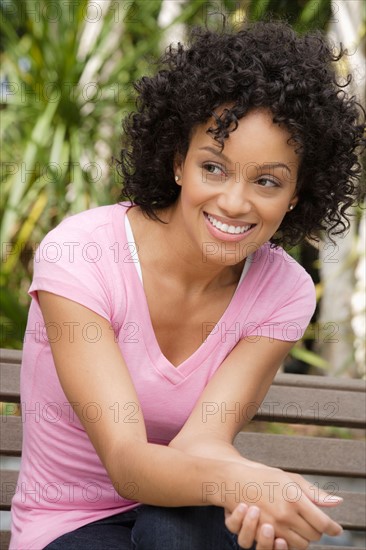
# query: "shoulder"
{"points": [[274, 265], [92, 220], [281, 281], [79, 260], [98, 227], [85, 241], [282, 294]]}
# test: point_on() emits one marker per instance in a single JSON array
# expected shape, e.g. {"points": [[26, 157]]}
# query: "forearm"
{"points": [[165, 476], [207, 446]]}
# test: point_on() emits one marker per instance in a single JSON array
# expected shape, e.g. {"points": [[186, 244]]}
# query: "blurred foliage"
{"points": [[303, 15], [282, 428], [65, 86], [9, 409]]}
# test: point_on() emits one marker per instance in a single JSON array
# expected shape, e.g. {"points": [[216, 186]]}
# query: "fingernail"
{"points": [[267, 530], [253, 512], [333, 498], [242, 507]]}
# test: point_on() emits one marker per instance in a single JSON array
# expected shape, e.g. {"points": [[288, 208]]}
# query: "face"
{"points": [[233, 201]]}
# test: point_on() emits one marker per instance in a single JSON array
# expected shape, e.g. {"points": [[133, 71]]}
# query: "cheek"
{"points": [[194, 191], [275, 213]]}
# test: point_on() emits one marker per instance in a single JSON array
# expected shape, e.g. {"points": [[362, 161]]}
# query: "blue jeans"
{"points": [[153, 528]]}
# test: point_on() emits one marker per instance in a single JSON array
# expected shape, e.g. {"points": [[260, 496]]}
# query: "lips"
{"points": [[224, 230], [227, 226]]}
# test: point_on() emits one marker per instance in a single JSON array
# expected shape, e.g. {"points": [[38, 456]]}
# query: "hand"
{"points": [[286, 501], [244, 522], [316, 495]]}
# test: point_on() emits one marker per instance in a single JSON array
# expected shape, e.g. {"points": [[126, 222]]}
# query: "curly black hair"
{"points": [[267, 65]]}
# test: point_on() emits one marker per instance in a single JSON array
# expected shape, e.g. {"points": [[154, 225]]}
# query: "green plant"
{"points": [[66, 73], [66, 85]]}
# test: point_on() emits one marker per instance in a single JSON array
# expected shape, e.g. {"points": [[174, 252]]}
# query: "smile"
{"points": [[226, 228]]}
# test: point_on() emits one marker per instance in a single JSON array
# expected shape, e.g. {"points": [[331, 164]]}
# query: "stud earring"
{"points": [[177, 178], [291, 207]]}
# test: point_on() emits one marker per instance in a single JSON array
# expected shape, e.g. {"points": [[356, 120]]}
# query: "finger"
{"points": [[265, 540], [280, 544], [317, 495], [322, 498], [234, 520], [311, 512], [249, 527], [319, 520], [305, 530], [328, 500], [296, 541]]}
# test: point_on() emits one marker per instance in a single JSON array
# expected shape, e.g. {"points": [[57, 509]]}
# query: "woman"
{"points": [[153, 319]]}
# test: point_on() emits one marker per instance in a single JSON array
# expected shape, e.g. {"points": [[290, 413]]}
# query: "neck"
{"points": [[175, 257]]}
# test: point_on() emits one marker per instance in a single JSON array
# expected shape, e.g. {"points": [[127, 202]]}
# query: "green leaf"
{"points": [[309, 357]]}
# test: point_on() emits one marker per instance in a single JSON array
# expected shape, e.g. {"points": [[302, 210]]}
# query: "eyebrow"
{"points": [[260, 166], [215, 152]]}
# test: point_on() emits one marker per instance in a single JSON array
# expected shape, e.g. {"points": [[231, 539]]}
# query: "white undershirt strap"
{"points": [[136, 261], [131, 242]]}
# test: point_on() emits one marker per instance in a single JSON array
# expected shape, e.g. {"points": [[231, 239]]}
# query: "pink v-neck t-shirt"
{"points": [[91, 260]]}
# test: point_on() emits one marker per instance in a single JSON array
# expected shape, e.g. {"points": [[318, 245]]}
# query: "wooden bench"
{"points": [[292, 399]]}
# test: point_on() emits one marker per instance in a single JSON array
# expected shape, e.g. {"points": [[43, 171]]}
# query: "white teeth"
{"points": [[225, 228]]}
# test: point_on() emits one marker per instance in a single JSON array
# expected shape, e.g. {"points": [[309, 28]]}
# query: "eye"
{"points": [[268, 182], [214, 169]]}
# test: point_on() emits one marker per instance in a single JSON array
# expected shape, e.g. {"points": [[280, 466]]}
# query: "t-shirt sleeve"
{"points": [[71, 263], [294, 306]]}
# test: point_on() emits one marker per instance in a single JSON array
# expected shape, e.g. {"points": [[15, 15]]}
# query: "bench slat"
{"points": [[291, 398], [327, 382], [9, 480], [10, 355], [9, 389], [301, 405], [11, 435], [314, 406], [350, 513], [310, 455], [281, 404], [4, 540], [301, 454]]}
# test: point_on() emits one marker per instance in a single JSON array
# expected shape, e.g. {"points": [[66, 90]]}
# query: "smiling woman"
{"points": [[241, 141], [243, 195]]}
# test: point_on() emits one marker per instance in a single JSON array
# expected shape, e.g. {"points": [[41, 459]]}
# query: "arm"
{"points": [[165, 476], [239, 385], [242, 380], [96, 372]]}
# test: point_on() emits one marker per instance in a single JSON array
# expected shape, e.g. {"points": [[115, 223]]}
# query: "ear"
{"points": [[178, 165], [293, 202]]}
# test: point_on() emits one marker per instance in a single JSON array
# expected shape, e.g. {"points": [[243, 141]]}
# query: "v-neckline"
{"points": [[174, 372]]}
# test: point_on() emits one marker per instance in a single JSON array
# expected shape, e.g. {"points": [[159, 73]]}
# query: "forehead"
{"points": [[256, 139]]}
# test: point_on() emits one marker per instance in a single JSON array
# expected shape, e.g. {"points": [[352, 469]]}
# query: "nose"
{"points": [[235, 199]]}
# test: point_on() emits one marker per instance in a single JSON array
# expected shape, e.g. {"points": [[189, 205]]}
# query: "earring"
{"points": [[291, 207], [177, 178]]}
